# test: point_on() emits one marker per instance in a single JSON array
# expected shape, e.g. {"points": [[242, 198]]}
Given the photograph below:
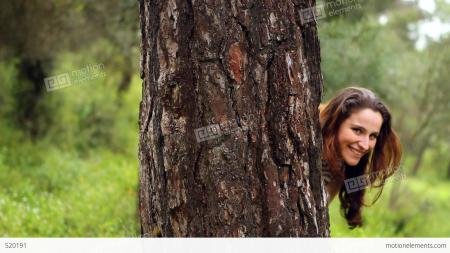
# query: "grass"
{"points": [[45, 195]]}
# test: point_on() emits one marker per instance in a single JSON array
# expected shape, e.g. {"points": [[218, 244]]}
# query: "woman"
{"points": [[360, 148]]}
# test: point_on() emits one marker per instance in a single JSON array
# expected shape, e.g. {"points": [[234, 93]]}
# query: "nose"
{"points": [[363, 143]]}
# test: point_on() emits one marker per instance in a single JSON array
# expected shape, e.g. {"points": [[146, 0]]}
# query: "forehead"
{"points": [[367, 118]]}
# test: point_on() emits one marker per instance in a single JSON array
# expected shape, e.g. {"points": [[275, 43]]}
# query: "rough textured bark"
{"points": [[249, 63]]}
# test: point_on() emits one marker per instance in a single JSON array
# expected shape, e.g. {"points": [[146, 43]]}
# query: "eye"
{"points": [[357, 130], [373, 137]]}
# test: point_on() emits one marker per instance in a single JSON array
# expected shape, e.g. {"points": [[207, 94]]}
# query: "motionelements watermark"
{"points": [[416, 245], [328, 9], [89, 72], [364, 181], [227, 127]]}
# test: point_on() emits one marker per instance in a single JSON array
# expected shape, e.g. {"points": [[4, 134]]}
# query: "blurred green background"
{"points": [[68, 158]]}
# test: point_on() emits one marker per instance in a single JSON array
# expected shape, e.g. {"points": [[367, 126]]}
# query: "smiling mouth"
{"points": [[356, 152]]}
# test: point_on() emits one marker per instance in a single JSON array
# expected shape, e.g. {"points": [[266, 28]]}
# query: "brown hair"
{"points": [[380, 164]]}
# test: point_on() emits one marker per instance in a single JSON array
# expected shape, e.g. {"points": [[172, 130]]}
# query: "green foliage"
{"points": [[418, 209], [92, 113], [80, 179], [44, 195]]}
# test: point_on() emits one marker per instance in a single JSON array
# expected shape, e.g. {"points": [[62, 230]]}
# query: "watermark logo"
{"points": [[214, 131], [328, 9], [208, 132], [89, 72], [359, 183], [57, 82], [313, 13]]}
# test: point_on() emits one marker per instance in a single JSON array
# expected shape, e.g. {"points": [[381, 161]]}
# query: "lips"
{"points": [[356, 152]]}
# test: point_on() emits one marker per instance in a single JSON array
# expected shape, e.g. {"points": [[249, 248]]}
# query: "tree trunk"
{"points": [[230, 138], [420, 153], [30, 115]]}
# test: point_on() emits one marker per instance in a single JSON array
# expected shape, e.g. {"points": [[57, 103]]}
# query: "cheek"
{"points": [[347, 137], [341, 139]]}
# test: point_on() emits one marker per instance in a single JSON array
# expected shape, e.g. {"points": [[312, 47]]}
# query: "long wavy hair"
{"points": [[379, 164]]}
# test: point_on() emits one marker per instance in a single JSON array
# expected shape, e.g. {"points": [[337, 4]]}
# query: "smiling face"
{"points": [[358, 134]]}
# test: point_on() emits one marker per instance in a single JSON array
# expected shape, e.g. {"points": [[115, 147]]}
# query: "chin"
{"points": [[352, 163]]}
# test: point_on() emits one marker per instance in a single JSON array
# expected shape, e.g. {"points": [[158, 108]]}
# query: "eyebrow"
{"points": [[355, 125]]}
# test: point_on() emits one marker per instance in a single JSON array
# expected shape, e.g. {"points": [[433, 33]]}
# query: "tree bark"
{"points": [[230, 139]]}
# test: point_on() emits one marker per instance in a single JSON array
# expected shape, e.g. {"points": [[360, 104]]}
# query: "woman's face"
{"points": [[358, 134]]}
